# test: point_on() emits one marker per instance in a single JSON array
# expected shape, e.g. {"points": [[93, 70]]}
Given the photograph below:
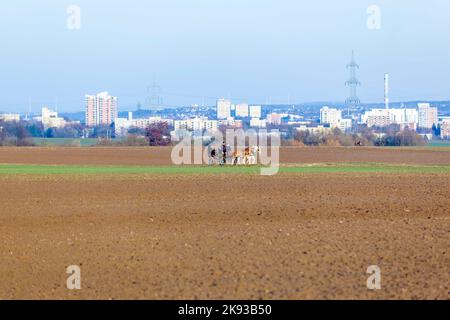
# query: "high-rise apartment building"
{"points": [[223, 109], [427, 116], [101, 109]]}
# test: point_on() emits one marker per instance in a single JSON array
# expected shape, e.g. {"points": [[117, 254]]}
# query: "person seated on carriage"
{"points": [[224, 154], [212, 156]]}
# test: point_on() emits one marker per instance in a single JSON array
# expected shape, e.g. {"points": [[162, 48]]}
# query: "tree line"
{"points": [[388, 136], [158, 134]]}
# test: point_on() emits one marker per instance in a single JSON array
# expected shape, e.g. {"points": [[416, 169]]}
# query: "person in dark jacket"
{"points": [[212, 156], [224, 153]]}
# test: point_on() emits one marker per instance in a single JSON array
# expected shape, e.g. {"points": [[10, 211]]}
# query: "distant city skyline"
{"points": [[254, 52]]}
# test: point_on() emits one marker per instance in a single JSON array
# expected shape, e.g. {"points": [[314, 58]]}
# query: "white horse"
{"points": [[251, 155]]}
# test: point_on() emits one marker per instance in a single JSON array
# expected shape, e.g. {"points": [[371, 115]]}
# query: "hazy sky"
{"points": [[248, 50]]}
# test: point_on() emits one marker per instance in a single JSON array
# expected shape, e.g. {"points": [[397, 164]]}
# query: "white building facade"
{"points": [[258, 123], [444, 123], [255, 111], [196, 124], [223, 109], [242, 110], [385, 117], [428, 116], [274, 118], [50, 119], [330, 116], [122, 125], [101, 109], [10, 117]]}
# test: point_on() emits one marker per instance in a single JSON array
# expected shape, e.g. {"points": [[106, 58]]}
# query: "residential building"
{"points": [[241, 110], [411, 116], [274, 119], [196, 124], [101, 109], [330, 116], [50, 119], [376, 117], [230, 123], [122, 125], [384, 117], [223, 109], [445, 129], [255, 112], [406, 118], [345, 125], [315, 130], [238, 124], [258, 123], [428, 116], [10, 117]]}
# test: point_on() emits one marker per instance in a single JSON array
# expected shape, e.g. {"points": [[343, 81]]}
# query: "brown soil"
{"points": [[161, 156], [291, 236], [224, 236]]}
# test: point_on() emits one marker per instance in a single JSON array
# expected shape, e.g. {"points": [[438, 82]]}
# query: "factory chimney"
{"points": [[386, 90]]}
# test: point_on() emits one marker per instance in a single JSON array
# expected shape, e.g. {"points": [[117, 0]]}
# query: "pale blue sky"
{"points": [[246, 49]]}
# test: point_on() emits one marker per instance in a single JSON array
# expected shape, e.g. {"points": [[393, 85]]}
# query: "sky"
{"points": [[254, 51]]}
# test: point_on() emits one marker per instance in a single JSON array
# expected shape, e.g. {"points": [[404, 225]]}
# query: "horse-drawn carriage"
{"points": [[224, 156]]}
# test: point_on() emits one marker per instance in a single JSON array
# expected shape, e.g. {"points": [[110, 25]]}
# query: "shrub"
{"points": [[158, 134]]}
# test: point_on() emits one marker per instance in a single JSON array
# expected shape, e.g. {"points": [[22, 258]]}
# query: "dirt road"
{"points": [[161, 156]]}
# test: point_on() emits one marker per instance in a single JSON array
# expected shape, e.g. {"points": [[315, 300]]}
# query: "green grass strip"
{"points": [[15, 169]]}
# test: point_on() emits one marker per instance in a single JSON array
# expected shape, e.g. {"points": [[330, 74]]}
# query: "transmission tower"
{"points": [[153, 99], [353, 100]]}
